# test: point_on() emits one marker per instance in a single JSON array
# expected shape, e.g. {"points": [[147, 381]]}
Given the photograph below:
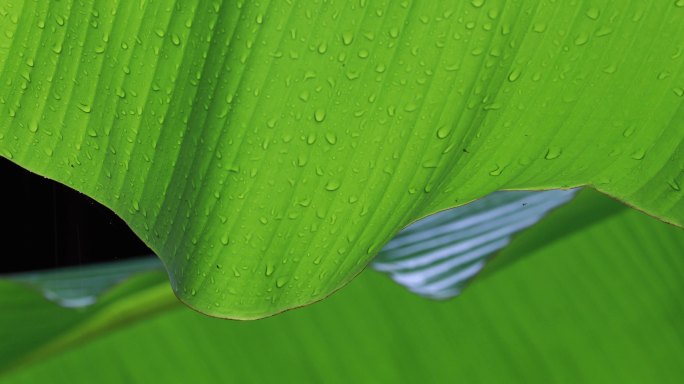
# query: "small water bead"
{"points": [[347, 38], [269, 269], [33, 127], [331, 138], [352, 75], [593, 13], [332, 185], [539, 27], [514, 75], [603, 31], [497, 171], [322, 48], [224, 239], [443, 132], [281, 281], [639, 154], [553, 153], [628, 132], [319, 115], [582, 39]]}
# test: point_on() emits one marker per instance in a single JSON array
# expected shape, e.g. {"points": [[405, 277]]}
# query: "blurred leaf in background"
{"points": [[598, 297]]}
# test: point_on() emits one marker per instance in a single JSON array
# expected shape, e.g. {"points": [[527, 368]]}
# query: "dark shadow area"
{"points": [[48, 225]]}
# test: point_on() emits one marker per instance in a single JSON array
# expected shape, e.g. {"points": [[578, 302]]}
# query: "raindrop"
{"points": [[33, 127], [84, 107], [319, 115], [347, 38], [496, 172], [331, 138], [175, 39], [443, 132], [332, 185], [269, 269], [514, 75], [322, 48], [582, 39], [539, 27], [639, 155], [593, 13], [553, 153]]}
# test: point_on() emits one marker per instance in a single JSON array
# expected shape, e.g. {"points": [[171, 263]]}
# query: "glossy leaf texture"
{"points": [[266, 151], [583, 307]]}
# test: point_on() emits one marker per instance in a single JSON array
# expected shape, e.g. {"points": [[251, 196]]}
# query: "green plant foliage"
{"points": [[266, 151], [80, 287], [585, 307]]}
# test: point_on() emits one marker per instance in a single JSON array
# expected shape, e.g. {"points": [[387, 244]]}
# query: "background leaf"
{"points": [[79, 287], [600, 304], [437, 256]]}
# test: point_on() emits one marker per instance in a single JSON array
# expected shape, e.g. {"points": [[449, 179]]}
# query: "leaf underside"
{"points": [[438, 256], [267, 151]]}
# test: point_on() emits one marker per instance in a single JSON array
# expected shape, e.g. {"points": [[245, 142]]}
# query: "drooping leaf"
{"points": [[458, 241], [437, 256], [587, 307], [266, 151], [466, 237]]}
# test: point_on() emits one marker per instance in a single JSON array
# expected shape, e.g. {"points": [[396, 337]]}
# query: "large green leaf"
{"points": [[587, 307], [267, 150]]}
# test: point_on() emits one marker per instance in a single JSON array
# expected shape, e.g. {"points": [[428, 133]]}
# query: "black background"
{"points": [[48, 225]]}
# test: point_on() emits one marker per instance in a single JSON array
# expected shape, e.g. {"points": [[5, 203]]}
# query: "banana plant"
{"points": [[266, 151]]}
